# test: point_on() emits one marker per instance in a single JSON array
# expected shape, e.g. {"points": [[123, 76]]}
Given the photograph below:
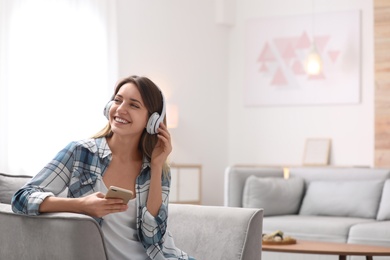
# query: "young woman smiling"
{"points": [[129, 152]]}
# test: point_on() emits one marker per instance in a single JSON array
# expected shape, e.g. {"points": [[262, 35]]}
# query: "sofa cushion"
{"points": [[384, 206], [9, 184], [373, 233], [277, 196], [358, 199], [321, 228]]}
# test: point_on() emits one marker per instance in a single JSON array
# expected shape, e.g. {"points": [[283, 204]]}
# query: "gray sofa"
{"points": [[205, 232], [350, 205]]}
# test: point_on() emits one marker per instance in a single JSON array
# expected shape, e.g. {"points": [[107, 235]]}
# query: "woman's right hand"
{"points": [[96, 205]]}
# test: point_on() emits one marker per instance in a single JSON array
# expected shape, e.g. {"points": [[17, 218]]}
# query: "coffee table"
{"points": [[330, 248]]}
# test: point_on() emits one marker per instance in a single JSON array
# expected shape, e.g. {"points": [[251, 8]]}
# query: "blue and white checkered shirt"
{"points": [[76, 169]]}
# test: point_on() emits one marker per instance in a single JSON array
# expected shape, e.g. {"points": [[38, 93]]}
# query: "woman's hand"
{"points": [[163, 147], [96, 205]]}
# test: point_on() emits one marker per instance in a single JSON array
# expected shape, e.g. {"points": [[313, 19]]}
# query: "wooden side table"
{"points": [[329, 248]]}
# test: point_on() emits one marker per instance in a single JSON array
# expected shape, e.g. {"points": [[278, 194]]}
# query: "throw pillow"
{"points": [[276, 196], [384, 208], [9, 184], [358, 199]]}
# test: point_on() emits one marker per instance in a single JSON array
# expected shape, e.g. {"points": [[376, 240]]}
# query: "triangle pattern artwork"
{"points": [[276, 51]]}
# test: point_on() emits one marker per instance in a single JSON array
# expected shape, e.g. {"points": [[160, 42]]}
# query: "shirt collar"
{"points": [[145, 163], [103, 148]]}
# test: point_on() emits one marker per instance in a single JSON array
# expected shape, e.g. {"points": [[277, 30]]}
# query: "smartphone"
{"points": [[116, 192]]}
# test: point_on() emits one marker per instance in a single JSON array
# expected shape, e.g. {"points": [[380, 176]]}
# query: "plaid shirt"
{"points": [[76, 168]]}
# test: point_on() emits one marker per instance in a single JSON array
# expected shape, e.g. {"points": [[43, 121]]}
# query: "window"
{"points": [[57, 71]]}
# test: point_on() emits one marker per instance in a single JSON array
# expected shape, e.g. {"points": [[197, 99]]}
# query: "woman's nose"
{"points": [[121, 109]]}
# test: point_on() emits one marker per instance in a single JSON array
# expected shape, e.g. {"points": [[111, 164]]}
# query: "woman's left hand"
{"points": [[163, 147]]}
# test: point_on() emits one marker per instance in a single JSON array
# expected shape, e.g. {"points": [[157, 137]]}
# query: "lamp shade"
{"points": [[172, 116]]}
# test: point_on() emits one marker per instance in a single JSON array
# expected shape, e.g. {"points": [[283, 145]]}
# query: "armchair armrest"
{"points": [[50, 236], [213, 232]]}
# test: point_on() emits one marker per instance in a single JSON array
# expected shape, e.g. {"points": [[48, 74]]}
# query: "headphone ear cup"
{"points": [[152, 126], [106, 111]]}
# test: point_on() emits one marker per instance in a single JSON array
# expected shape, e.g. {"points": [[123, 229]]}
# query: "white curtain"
{"points": [[57, 71]]}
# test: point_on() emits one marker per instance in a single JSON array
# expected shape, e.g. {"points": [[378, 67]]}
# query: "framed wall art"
{"points": [[276, 51]]}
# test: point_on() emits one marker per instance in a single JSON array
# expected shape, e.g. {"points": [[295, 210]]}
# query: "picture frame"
{"points": [[275, 73], [317, 152]]}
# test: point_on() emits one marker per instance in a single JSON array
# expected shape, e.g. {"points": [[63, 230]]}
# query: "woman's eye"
{"points": [[117, 101], [135, 105]]}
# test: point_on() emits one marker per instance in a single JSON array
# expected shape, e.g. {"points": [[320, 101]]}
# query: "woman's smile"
{"points": [[121, 120]]}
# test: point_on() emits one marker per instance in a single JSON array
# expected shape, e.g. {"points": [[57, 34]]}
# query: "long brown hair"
{"points": [[152, 97]]}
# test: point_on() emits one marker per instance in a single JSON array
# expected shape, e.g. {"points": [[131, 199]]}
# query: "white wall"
{"points": [[200, 66], [276, 135], [179, 46]]}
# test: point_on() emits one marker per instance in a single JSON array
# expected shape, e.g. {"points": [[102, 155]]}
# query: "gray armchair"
{"points": [[205, 232]]}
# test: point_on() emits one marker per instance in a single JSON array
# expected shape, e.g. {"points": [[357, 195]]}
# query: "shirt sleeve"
{"points": [[50, 181], [153, 228]]}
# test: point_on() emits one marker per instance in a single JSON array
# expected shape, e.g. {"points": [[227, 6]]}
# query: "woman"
{"points": [[126, 153]]}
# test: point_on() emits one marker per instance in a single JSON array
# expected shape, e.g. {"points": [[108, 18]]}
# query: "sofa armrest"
{"points": [[50, 236], [235, 178], [212, 232]]}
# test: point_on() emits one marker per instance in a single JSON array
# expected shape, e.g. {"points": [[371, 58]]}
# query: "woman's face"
{"points": [[128, 114]]}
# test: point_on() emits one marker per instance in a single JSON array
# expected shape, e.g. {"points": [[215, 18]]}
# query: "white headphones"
{"points": [[154, 120]]}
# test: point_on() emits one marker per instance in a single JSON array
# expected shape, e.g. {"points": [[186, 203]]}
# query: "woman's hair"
{"points": [[152, 98]]}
